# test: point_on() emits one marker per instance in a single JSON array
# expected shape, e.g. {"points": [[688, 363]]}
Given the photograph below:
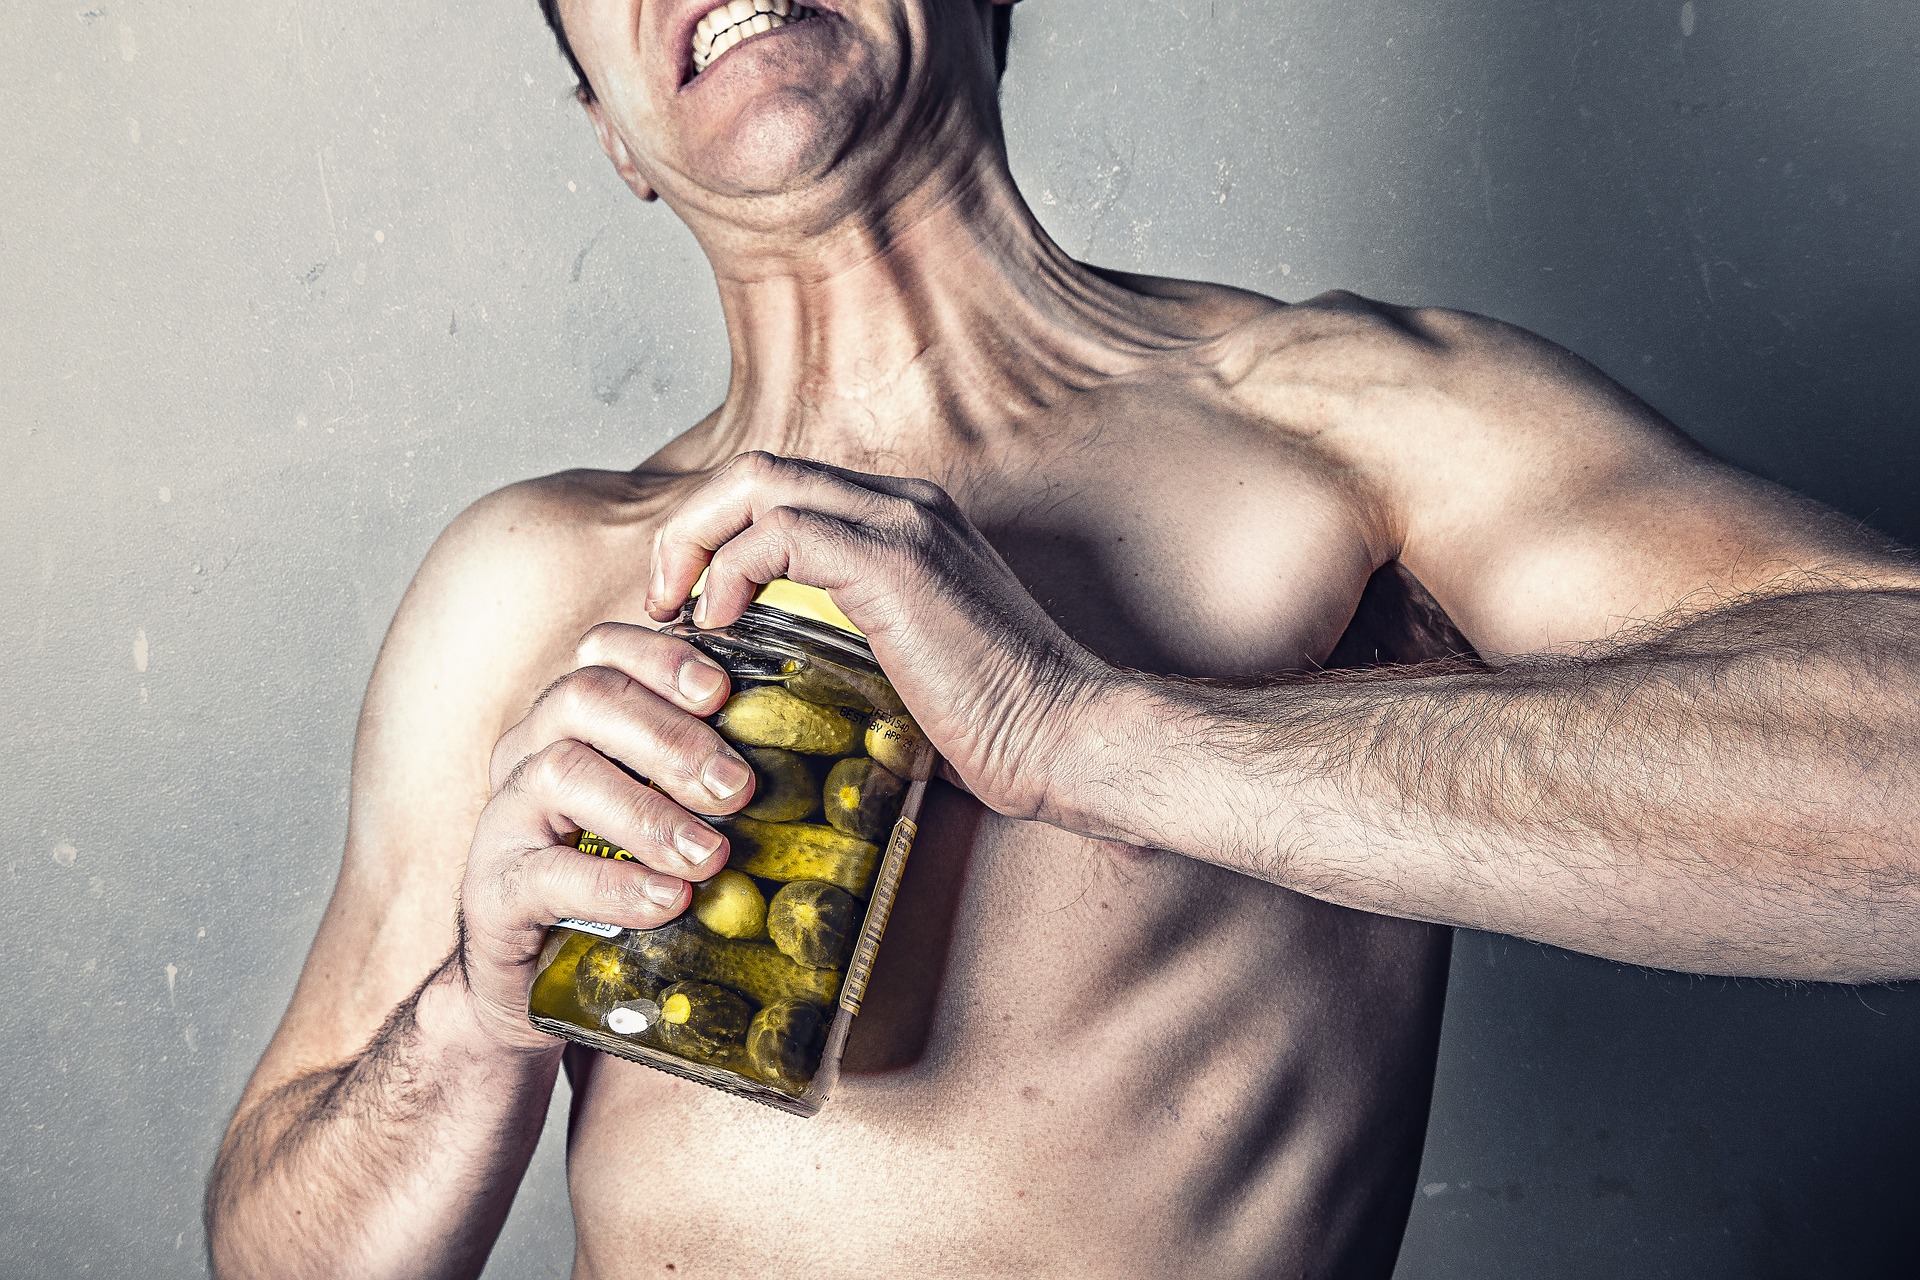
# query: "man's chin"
{"points": [[774, 148]]}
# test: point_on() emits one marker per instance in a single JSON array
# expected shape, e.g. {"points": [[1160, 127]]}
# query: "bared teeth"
{"points": [[727, 25]]}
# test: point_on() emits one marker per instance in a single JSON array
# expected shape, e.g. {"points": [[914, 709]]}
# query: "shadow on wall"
{"points": [[1723, 219], [1599, 1121], [1716, 204]]}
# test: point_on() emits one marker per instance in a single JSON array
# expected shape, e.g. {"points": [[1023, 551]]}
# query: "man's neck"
{"points": [[949, 316]]}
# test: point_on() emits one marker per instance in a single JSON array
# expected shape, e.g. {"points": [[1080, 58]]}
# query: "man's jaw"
{"points": [[719, 28]]}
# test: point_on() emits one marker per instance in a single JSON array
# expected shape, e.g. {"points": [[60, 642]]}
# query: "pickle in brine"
{"points": [[862, 798], [784, 1042], [668, 952], [608, 974], [698, 1019], [841, 687], [769, 716], [785, 786], [761, 971], [682, 952], [813, 923], [801, 851], [731, 905]]}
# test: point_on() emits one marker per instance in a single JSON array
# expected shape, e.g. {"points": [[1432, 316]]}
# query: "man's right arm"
{"points": [[386, 1128]]}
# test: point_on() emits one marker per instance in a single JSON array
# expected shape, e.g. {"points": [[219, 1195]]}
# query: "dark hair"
{"points": [[1002, 30]]}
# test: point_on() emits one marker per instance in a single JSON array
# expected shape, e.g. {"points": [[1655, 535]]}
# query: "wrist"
{"points": [[1108, 733], [451, 1016]]}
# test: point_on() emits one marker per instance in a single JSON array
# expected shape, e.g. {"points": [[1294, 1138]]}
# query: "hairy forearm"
{"points": [[402, 1161], [1740, 794]]}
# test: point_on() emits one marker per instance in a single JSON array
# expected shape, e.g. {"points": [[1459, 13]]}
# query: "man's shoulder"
{"points": [[565, 511], [1341, 336], [516, 578], [553, 535], [1306, 367]]}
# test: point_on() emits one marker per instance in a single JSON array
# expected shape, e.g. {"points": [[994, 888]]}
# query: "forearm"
{"points": [[1738, 795], [402, 1161]]}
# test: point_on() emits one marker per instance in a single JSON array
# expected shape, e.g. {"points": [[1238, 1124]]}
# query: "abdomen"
{"points": [[1074, 1059]]}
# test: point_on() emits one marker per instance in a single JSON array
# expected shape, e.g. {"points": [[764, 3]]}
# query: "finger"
{"points": [[731, 501], [805, 545], [665, 665], [623, 720], [506, 908], [558, 882], [568, 786]]}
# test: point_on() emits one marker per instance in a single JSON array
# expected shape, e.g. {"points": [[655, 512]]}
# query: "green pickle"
{"points": [[801, 851], [769, 716], [783, 1043], [731, 905], [862, 798], [785, 788], [841, 687], [813, 923], [701, 1020], [742, 992], [609, 973]]}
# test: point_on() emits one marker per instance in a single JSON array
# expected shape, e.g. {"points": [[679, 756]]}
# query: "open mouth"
{"points": [[728, 24]]}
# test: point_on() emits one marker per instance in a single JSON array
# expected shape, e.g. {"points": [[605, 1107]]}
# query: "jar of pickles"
{"points": [[754, 989]]}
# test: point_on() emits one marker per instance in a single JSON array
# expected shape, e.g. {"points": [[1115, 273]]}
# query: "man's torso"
{"points": [[1075, 1058]]}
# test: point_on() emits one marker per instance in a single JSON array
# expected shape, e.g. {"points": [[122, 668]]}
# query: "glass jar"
{"points": [[754, 989]]}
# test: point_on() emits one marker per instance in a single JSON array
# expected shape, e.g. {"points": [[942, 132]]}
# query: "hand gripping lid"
{"points": [[797, 599]]}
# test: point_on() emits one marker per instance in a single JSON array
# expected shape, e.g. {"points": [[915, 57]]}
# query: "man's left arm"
{"points": [[1690, 747], [1543, 505]]}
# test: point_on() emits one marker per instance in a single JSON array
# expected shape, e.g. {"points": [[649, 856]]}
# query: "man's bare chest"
{"points": [[1173, 548]]}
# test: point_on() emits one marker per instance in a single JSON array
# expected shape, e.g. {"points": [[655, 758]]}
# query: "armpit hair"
{"points": [[378, 1087]]}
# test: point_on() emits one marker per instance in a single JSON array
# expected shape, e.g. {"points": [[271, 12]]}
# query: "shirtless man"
{"points": [[1077, 1057]]}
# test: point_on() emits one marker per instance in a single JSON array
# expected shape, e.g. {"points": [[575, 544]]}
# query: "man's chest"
{"points": [[1179, 547]]}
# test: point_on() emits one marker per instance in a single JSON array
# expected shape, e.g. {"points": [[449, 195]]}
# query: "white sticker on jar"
{"points": [[588, 926], [631, 1017]]}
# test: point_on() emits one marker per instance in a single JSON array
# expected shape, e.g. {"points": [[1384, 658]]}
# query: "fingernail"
{"points": [[698, 681], [656, 588], [662, 890], [700, 612], [726, 774], [697, 844]]}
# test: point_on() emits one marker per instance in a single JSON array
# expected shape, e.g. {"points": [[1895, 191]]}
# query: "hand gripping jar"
{"points": [[754, 989]]}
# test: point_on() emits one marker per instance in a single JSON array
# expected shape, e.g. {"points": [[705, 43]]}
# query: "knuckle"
{"points": [[925, 493], [785, 522], [561, 766], [596, 639], [590, 688], [608, 885], [687, 743], [640, 816], [622, 887], [754, 464], [910, 522]]}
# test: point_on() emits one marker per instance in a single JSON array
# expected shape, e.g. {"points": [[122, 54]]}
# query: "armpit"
{"points": [[1398, 621]]}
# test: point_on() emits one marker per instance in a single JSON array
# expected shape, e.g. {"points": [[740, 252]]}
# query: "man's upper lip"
{"points": [[689, 17]]}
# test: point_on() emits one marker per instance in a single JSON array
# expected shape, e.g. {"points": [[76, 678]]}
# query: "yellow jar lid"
{"points": [[797, 599]]}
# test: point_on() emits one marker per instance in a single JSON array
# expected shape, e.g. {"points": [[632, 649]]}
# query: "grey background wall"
{"points": [[283, 287]]}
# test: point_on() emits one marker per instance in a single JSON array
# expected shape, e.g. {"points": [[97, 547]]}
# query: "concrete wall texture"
{"points": [[283, 287]]}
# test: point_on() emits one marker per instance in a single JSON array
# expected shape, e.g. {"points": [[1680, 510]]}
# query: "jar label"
{"points": [[589, 926], [587, 842], [855, 988]]}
